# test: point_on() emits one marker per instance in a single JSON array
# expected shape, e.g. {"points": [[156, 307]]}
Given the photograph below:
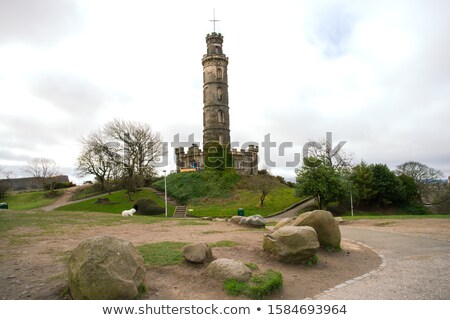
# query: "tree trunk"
{"points": [[263, 197]]}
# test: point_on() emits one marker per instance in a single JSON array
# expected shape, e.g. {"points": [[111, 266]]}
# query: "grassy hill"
{"points": [[278, 199], [220, 194], [120, 200], [29, 200]]}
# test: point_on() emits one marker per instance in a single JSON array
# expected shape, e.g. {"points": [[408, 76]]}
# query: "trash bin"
{"points": [[241, 212], [3, 205]]}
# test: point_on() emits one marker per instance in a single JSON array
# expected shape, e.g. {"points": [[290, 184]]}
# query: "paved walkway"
{"points": [[416, 268]]}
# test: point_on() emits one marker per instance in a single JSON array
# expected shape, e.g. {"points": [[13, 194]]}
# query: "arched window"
{"points": [[219, 93], [220, 138], [220, 117], [219, 74]]}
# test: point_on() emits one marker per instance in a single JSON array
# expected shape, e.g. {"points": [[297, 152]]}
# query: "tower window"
{"points": [[219, 74], [204, 94], [220, 117], [219, 93]]}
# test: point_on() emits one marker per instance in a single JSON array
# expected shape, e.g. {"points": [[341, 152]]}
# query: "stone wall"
{"points": [[30, 183]]}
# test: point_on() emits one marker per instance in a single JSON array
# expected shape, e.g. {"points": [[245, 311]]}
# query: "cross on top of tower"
{"points": [[214, 20]]}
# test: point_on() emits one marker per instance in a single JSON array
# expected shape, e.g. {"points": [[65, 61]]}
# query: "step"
{"points": [[180, 212]]}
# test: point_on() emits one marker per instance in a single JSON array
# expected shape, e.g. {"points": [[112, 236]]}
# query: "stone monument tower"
{"points": [[216, 115]]}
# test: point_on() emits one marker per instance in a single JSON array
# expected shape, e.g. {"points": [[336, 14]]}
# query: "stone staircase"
{"points": [[180, 212]]}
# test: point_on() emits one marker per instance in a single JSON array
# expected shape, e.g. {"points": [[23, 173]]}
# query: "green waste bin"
{"points": [[3, 205], [241, 212]]}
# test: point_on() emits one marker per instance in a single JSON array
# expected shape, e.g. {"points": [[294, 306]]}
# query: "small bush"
{"points": [[252, 266], [147, 206], [259, 287], [312, 261]]}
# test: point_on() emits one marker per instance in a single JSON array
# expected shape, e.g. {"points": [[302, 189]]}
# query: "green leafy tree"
{"points": [[323, 182], [387, 185], [409, 189], [363, 184]]}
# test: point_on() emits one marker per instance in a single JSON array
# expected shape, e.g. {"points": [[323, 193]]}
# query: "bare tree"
{"points": [[323, 153], [5, 184], [95, 159], [420, 172], [43, 170], [125, 147]]}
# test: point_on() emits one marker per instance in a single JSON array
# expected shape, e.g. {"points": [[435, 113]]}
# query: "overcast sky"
{"points": [[374, 73]]}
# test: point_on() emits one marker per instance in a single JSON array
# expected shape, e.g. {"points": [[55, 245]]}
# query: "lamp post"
{"points": [[351, 198], [165, 190]]}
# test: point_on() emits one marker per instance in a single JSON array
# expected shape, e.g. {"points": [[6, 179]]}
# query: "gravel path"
{"points": [[416, 268]]}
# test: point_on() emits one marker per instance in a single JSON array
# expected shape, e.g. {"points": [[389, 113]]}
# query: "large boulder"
{"points": [[105, 268], [326, 227], [236, 219], [292, 244], [224, 269], [283, 222], [256, 221], [197, 252]]}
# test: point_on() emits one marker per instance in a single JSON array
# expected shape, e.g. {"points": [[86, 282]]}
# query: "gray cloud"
{"points": [[8, 155], [70, 93], [38, 22], [331, 28]]}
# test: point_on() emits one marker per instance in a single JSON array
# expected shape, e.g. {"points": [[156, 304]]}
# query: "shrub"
{"points": [[147, 206]]}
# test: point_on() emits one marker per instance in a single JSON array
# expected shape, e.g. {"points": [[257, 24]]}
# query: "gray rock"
{"points": [[339, 220], [224, 269], [253, 221], [105, 268], [292, 244], [197, 253], [236, 219], [326, 227]]}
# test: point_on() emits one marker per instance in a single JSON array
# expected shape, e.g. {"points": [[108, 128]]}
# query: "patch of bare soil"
{"points": [[36, 267]]}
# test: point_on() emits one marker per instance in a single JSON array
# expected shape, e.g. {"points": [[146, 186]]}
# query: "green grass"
{"points": [[277, 200], [259, 286], [162, 253], [223, 243], [29, 200], [86, 192], [120, 198]]}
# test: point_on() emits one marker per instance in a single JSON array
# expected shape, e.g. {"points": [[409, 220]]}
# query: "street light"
{"points": [[165, 190], [351, 197]]}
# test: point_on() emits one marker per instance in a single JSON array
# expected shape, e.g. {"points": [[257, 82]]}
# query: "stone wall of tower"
{"points": [[216, 115]]}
